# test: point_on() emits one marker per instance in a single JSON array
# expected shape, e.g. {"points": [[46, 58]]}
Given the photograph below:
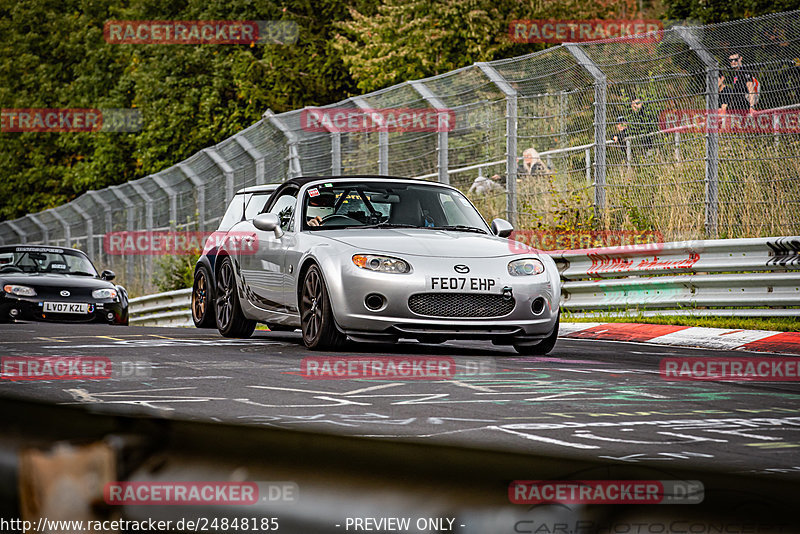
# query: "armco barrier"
{"points": [[725, 277], [162, 309], [728, 277]]}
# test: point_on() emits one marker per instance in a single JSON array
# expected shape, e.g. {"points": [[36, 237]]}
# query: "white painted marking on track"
{"points": [[552, 441]]}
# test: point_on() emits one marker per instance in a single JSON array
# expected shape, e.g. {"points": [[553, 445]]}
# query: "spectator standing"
{"points": [[742, 81]]}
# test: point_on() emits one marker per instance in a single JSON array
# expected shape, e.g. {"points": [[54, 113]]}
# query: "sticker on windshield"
{"points": [[313, 192], [327, 185]]}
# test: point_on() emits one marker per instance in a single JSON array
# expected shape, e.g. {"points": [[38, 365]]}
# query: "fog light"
{"points": [[537, 307], [14, 312], [374, 301], [110, 316]]}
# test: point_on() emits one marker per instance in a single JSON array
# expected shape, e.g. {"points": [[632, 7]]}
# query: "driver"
{"points": [[315, 221]]}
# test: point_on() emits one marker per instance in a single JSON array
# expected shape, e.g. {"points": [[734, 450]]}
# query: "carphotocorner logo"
{"points": [[161, 243], [576, 31], [191, 32], [70, 120], [606, 491], [377, 120]]}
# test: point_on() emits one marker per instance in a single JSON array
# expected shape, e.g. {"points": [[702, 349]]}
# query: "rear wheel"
{"points": [[316, 316], [230, 320], [544, 346], [203, 314]]}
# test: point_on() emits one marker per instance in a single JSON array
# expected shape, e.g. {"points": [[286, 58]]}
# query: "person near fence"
{"points": [[485, 186], [619, 139], [529, 167], [743, 81], [730, 100], [641, 125]]}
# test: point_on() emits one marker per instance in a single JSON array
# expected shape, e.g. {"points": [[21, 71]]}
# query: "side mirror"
{"points": [[268, 222], [502, 228], [108, 275]]}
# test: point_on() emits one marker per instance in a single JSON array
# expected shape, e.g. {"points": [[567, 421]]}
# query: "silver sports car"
{"points": [[382, 258]]}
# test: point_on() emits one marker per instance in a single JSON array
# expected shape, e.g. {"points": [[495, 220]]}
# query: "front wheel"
{"points": [[544, 346], [230, 320], [316, 316]]}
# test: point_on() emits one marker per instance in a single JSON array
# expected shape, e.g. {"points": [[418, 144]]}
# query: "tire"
{"points": [[229, 318], [544, 346], [316, 316], [203, 314]]}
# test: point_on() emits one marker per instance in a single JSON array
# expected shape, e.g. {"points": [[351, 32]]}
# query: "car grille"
{"points": [[460, 305]]}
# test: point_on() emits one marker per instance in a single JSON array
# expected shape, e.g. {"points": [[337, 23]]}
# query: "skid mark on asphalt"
{"points": [[136, 397]]}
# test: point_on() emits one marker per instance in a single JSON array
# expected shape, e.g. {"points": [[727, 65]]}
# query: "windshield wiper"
{"points": [[458, 228], [81, 273], [390, 225]]}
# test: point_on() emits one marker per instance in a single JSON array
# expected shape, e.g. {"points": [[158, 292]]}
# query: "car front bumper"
{"points": [[32, 309]]}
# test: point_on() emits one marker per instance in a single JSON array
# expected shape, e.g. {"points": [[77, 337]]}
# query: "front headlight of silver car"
{"points": [[525, 267], [104, 294], [19, 291], [383, 264]]}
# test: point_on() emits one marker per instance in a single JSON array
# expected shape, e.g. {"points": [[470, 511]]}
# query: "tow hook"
{"points": [[508, 293]]}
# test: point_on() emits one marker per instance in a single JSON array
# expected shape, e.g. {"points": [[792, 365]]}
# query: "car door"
{"points": [[263, 271]]}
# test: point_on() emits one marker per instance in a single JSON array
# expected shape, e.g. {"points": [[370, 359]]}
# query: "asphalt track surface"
{"points": [[587, 399]]}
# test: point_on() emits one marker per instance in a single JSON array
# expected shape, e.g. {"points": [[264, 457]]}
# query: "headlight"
{"points": [[20, 291], [525, 267], [383, 264], [104, 294]]}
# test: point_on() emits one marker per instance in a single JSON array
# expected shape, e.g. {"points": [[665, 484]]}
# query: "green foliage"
{"points": [[710, 11], [174, 272]]}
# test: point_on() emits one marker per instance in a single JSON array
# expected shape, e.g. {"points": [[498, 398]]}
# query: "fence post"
{"points": [[600, 87], [383, 138], [42, 227], [94, 195], [511, 137], [148, 222], [64, 224], [173, 200], [200, 186], [712, 136], [227, 172], [257, 156], [295, 168], [89, 228], [129, 207], [442, 144], [23, 236]]}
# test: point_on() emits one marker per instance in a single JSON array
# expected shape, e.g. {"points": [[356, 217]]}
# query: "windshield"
{"points": [[45, 260], [380, 204]]}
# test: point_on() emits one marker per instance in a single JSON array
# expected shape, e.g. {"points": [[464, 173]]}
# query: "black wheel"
{"points": [[316, 316], [230, 320], [203, 314], [544, 346]]}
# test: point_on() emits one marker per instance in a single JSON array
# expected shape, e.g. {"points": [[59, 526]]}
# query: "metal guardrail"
{"points": [[162, 309], [726, 277]]}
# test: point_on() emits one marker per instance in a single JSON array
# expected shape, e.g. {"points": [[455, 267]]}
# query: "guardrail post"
{"points": [[257, 156], [712, 135], [64, 224], [442, 142], [383, 138], [129, 207], [511, 137], [173, 200], [23, 236], [295, 168], [42, 227], [200, 186], [600, 87], [89, 228]]}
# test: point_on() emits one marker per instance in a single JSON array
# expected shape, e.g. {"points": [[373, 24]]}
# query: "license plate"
{"points": [[66, 307], [463, 283]]}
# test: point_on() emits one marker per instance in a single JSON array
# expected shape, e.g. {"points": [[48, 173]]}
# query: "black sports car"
{"points": [[43, 283]]}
